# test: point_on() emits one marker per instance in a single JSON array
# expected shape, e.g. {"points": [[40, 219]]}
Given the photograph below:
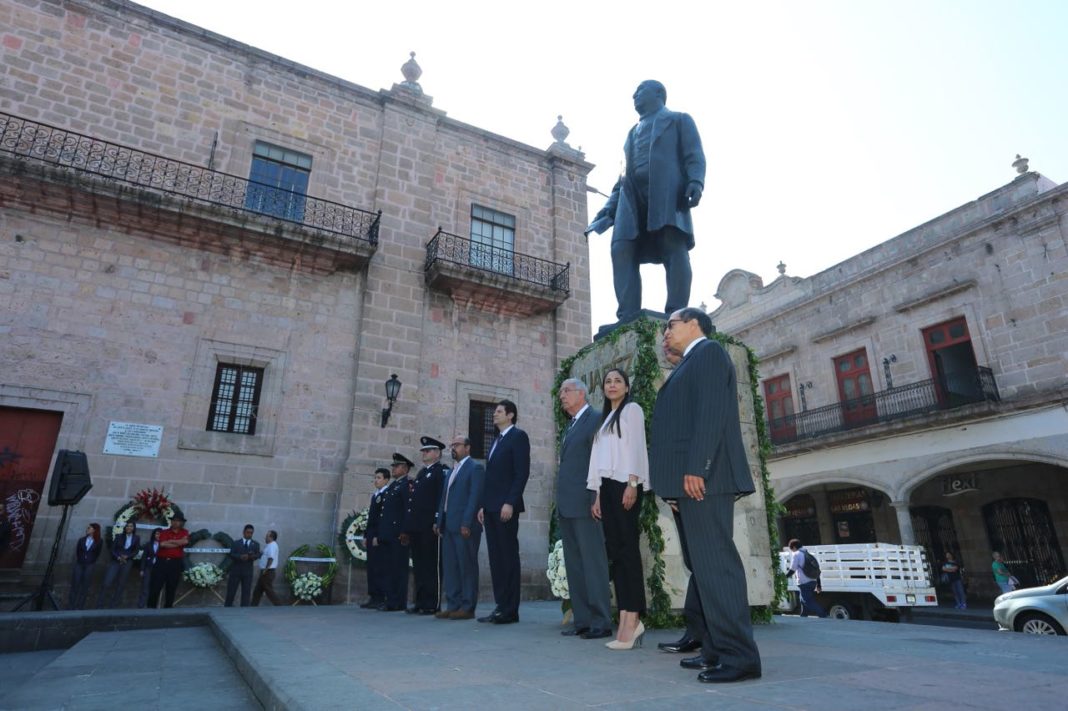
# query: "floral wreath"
{"points": [[557, 573], [309, 586], [351, 538], [147, 503]]}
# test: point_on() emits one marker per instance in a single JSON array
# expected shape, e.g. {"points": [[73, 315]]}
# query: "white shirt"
{"points": [[693, 343], [270, 551], [615, 457], [496, 441], [795, 565]]}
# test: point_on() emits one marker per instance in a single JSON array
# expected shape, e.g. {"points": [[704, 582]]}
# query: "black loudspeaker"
{"points": [[70, 479]]}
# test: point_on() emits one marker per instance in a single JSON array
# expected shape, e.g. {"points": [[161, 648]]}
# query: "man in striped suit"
{"points": [[697, 459]]}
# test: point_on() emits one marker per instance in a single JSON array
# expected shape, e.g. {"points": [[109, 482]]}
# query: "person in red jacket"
{"points": [[170, 562]]}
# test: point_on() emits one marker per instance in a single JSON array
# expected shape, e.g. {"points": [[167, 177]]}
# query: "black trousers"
{"points": [[424, 551], [394, 573], [670, 246], [376, 590], [695, 616], [165, 577], [502, 545], [622, 534], [240, 575]]}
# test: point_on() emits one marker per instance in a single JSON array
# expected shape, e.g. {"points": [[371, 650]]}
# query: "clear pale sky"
{"points": [[829, 126]]}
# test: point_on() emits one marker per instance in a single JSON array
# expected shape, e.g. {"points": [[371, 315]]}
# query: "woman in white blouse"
{"points": [[619, 473]]}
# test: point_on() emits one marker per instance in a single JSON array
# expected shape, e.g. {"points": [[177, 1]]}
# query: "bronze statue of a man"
{"points": [[650, 203]]}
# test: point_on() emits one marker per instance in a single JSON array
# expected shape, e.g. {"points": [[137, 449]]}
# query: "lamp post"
{"points": [[393, 387]]}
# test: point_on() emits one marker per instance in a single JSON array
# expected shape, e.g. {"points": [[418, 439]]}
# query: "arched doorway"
{"points": [[800, 520], [936, 531], [1022, 529]]}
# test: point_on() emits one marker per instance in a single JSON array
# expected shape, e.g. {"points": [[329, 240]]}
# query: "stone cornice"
{"points": [[935, 295], [828, 335]]}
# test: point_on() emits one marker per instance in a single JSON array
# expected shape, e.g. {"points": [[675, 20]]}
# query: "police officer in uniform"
{"points": [[375, 580], [425, 495], [390, 531]]}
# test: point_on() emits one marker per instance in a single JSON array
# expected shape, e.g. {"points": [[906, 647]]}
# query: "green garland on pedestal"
{"points": [[643, 377]]}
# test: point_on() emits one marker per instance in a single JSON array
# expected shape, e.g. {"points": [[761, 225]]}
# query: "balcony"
{"points": [[493, 278], [45, 167], [890, 405]]}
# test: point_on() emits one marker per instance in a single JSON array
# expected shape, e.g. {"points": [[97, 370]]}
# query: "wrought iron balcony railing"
{"points": [[447, 247], [946, 393], [42, 143]]}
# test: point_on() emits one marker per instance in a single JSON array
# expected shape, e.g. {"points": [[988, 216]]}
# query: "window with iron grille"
{"points": [[492, 239], [480, 429], [235, 399], [278, 182]]}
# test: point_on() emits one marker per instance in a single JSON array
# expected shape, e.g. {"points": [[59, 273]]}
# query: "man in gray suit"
{"points": [[584, 552], [457, 524], [697, 459]]}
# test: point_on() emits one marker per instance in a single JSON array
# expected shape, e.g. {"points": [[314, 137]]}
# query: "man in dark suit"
{"points": [[423, 501], [585, 557], [650, 204], [507, 471], [376, 586], [695, 617], [697, 459], [390, 527], [243, 554], [458, 525]]}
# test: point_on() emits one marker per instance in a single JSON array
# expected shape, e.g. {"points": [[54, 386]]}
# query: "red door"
{"points": [[27, 440], [780, 400], [854, 388]]}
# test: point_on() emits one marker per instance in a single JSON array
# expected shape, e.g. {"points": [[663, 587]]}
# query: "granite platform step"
{"points": [[142, 669]]}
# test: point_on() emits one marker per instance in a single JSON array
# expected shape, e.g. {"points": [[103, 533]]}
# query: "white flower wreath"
{"points": [[204, 575], [308, 586], [557, 573]]}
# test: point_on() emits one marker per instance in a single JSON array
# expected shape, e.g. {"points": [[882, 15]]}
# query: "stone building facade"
{"points": [[192, 229], [916, 392]]}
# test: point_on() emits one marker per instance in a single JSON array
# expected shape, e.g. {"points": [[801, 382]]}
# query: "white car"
{"points": [[1041, 610]]}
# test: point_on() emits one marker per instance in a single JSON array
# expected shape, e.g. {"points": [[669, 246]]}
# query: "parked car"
{"points": [[1042, 610]]}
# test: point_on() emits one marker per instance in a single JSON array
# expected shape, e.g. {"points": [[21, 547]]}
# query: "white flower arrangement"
{"points": [[308, 586], [204, 575], [353, 536], [557, 573]]}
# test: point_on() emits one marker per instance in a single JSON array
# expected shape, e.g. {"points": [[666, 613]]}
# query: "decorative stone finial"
{"points": [[704, 307], [560, 131], [781, 267], [412, 71], [1020, 164]]}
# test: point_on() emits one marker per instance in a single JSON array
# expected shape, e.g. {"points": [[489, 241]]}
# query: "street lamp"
{"points": [[393, 387]]}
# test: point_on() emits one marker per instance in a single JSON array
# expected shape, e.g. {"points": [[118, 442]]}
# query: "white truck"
{"points": [[880, 581]]}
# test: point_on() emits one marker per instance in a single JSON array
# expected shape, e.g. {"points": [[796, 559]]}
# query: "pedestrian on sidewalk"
{"points": [[808, 586], [1002, 575], [265, 582], [953, 576]]}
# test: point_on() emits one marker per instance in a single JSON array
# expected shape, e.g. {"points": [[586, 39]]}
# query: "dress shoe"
{"points": [[390, 608], [491, 617], [699, 663], [596, 633], [412, 611], [370, 605], [427, 611], [686, 644], [505, 619], [442, 615], [575, 631], [462, 615], [720, 674]]}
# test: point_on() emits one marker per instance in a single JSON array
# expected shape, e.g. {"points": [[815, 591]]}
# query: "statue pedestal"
{"points": [[750, 513]]}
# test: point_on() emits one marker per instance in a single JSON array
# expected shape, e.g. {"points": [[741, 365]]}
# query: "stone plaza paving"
{"points": [[342, 657]]}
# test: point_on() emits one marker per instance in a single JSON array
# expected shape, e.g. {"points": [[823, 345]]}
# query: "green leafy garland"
{"points": [[643, 377], [323, 550]]}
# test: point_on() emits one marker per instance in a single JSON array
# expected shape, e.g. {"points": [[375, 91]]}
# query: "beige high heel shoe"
{"points": [[635, 641]]}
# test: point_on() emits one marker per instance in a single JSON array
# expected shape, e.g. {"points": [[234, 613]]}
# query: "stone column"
{"points": [[904, 522]]}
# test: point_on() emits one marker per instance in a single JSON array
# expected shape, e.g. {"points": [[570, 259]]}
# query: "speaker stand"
{"points": [[44, 590]]}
